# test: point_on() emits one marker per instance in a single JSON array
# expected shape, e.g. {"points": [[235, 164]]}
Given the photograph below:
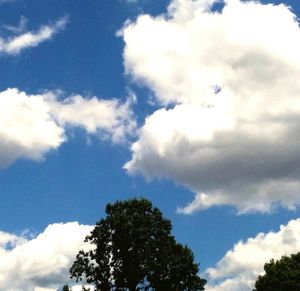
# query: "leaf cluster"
{"points": [[281, 275]]}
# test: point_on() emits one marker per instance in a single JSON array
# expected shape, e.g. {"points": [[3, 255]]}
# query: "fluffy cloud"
{"points": [[32, 125], [41, 263], [239, 268], [109, 119], [229, 94], [15, 44]]}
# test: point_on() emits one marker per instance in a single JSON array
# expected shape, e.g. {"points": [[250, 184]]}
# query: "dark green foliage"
{"points": [[281, 275], [66, 288], [134, 250], [176, 270]]}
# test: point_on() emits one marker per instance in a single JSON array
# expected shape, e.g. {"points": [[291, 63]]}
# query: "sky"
{"points": [[193, 104]]}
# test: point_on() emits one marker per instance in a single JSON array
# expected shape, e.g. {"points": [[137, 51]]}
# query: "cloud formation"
{"points": [[15, 44], [41, 263], [32, 125], [229, 95], [239, 268]]}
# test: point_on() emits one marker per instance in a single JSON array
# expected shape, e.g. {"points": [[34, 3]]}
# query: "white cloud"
{"points": [[32, 125], [239, 268], [109, 119], [27, 129], [41, 263], [15, 44], [229, 95]]}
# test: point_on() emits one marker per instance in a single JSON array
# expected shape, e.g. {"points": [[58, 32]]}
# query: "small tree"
{"points": [[281, 275], [134, 250]]}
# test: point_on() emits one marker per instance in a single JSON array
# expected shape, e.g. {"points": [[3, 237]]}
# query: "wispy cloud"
{"points": [[7, 1], [15, 44], [17, 29]]}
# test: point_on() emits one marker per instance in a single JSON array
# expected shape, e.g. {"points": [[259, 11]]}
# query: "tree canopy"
{"points": [[281, 275], [66, 288], [133, 249]]}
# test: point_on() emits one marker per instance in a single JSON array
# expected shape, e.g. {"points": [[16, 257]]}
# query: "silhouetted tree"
{"points": [[66, 288], [134, 250], [281, 275]]}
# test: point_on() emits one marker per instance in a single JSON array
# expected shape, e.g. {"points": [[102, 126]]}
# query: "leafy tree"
{"points": [[176, 270], [66, 288], [134, 250], [281, 275]]}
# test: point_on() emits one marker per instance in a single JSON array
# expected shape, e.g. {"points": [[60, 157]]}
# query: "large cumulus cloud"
{"points": [[227, 84]]}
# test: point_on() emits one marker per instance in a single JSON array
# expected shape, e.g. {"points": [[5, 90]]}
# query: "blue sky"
{"points": [[191, 104]]}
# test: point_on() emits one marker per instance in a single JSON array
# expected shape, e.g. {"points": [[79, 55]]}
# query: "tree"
{"points": [[281, 275], [134, 250], [66, 288]]}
